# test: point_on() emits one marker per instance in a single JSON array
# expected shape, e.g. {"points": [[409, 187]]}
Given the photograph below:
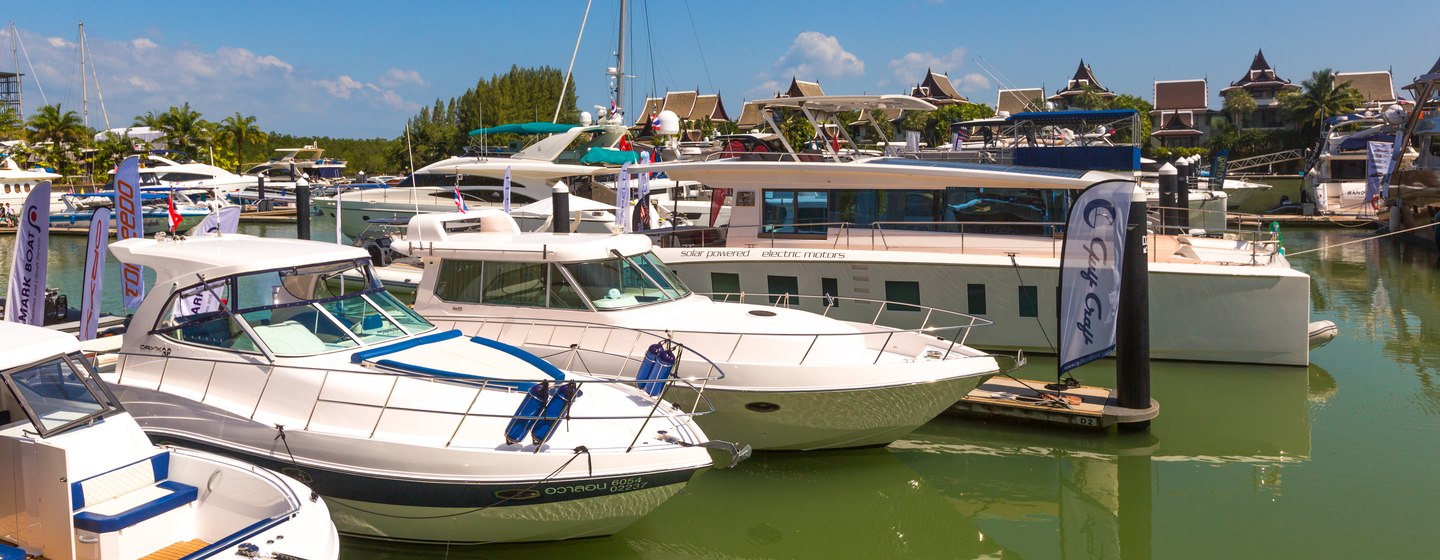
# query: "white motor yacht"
{"points": [[191, 177], [984, 239], [78, 208], [1337, 179], [83, 482], [16, 183], [253, 347], [794, 378]]}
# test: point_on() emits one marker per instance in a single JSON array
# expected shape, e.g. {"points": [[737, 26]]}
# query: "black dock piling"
{"points": [[1168, 186], [1185, 181], [260, 204], [1132, 337], [302, 210], [560, 208]]}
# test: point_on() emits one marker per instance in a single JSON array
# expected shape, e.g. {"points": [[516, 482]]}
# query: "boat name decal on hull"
{"points": [[765, 254]]}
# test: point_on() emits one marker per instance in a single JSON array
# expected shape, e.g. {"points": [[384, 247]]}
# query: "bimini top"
{"points": [[525, 128], [27, 344], [491, 234], [226, 255], [838, 103]]}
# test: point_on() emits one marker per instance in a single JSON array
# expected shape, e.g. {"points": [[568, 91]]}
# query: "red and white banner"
{"points": [[130, 225], [25, 300], [94, 273]]}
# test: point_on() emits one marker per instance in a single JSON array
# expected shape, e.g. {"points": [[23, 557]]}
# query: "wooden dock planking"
{"points": [[1029, 400], [177, 551]]}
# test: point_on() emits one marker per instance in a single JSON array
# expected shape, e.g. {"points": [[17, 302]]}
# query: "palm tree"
{"points": [[238, 128], [184, 129], [150, 119], [62, 130], [1320, 98], [1089, 98], [1238, 105], [10, 123]]}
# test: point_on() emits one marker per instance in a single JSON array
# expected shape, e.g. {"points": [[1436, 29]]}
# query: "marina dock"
{"points": [[274, 216], [1027, 400]]}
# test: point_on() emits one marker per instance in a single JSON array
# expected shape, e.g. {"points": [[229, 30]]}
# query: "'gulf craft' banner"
{"points": [[226, 220], [94, 273], [129, 225], [1090, 264], [25, 300], [1377, 164], [505, 203]]}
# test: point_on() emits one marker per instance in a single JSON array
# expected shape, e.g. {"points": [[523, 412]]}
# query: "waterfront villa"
{"points": [[1265, 86]]}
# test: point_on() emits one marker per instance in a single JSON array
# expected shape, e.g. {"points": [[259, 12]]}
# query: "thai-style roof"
{"points": [[1018, 100], [709, 106], [681, 103], [750, 118], [687, 105], [1376, 88], [1177, 123], [653, 105], [1181, 94], [1259, 75], [799, 88], [937, 89], [1084, 76]]}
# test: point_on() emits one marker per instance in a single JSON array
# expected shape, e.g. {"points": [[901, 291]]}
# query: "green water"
{"points": [[1334, 461]]}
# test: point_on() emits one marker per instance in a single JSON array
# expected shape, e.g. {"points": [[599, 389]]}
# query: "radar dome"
{"points": [[1394, 114], [669, 123], [586, 119]]}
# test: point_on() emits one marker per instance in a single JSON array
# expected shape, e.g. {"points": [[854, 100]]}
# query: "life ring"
{"points": [[1375, 202]]}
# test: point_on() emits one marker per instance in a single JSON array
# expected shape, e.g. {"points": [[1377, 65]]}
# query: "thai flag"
{"points": [[175, 217], [655, 121], [613, 109], [460, 201]]}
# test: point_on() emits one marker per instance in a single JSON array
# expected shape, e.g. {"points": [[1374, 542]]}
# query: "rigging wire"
{"points": [[33, 75], [1363, 239], [703, 63], [569, 71]]}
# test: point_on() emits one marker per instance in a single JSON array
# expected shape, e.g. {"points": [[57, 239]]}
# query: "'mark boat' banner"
{"points": [[129, 224], [1090, 272], [94, 273], [25, 300]]}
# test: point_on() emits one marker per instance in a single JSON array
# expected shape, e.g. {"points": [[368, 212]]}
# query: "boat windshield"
{"points": [[58, 394], [624, 282], [296, 311]]}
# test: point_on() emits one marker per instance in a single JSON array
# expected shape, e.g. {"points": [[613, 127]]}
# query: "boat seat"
{"points": [[128, 496]]}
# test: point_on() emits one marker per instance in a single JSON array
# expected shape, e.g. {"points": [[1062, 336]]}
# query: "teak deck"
{"points": [[177, 551]]}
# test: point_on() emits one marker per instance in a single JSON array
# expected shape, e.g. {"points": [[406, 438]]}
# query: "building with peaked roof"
{"points": [[938, 90], [1376, 88], [799, 88], [1181, 117], [690, 106], [750, 118], [1011, 101], [1084, 78], [1265, 86]]}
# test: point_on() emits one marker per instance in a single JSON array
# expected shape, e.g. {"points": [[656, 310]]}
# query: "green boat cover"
{"points": [[610, 156], [525, 128]]}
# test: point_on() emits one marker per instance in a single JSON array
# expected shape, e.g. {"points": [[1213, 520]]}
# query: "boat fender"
{"points": [[648, 364], [528, 411], [664, 364], [559, 405]]}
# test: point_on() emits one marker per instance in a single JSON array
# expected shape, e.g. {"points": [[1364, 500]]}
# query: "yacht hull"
{"points": [[829, 419], [1241, 314]]}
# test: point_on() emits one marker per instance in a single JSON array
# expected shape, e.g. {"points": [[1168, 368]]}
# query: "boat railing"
{"points": [[1263, 242], [952, 328]]}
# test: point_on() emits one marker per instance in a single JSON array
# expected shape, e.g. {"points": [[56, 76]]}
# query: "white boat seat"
{"points": [[127, 496]]}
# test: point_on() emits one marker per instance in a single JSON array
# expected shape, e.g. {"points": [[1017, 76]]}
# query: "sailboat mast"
{"points": [[620, 58], [84, 81]]}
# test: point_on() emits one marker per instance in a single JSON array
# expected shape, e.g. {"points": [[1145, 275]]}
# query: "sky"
{"points": [[361, 68]]}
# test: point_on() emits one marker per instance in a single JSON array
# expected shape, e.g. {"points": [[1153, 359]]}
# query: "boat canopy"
{"points": [[144, 195], [610, 156], [525, 128], [1072, 116]]}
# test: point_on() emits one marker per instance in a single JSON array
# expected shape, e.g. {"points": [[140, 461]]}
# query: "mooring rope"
{"points": [[1373, 237]]}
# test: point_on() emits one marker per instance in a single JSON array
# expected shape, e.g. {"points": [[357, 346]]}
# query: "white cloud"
{"points": [[340, 87], [395, 76], [972, 82], [142, 44], [57, 42], [911, 67], [815, 54]]}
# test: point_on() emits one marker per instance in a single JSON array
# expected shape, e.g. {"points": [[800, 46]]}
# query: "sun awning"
{"points": [[525, 128]]}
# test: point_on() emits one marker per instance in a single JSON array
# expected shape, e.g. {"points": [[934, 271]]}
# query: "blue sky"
{"points": [[360, 68]]}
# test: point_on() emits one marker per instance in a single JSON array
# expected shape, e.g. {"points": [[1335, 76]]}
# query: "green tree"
{"points": [[1319, 98], [11, 124], [62, 131], [236, 130], [520, 95], [150, 119], [1090, 98], [1238, 105], [797, 130], [185, 130], [1127, 101]]}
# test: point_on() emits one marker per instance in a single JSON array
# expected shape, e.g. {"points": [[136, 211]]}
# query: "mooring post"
{"points": [[1185, 180], [560, 208], [1132, 337], [1168, 187], [302, 209], [260, 198]]}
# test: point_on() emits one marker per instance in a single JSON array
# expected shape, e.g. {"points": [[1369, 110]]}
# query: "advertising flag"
{"points": [[1090, 265], [94, 273], [506, 191], [622, 196], [640, 220], [129, 225], [1377, 164], [25, 300], [1219, 166]]}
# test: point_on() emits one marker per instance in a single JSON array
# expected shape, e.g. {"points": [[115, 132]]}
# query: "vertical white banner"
{"points": [[622, 197], [506, 202], [1377, 164], [130, 225], [640, 220], [1090, 264], [94, 273], [25, 299]]}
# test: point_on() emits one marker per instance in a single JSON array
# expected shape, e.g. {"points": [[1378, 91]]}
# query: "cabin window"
{"points": [[196, 316], [562, 294], [509, 283], [1029, 301], [1347, 169], [792, 213], [780, 286], [459, 281], [889, 206], [1004, 211], [976, 295], [55, 395], [626, 282], [830, 288], [897, 294], [724, 283]]}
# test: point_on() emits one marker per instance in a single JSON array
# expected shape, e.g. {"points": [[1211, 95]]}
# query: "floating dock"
{"points": [[1025, 400], [1295, 220]]}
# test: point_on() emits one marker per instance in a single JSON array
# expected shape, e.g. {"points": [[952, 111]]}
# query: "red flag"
{"points": [[625, 144], [175, 217]]}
